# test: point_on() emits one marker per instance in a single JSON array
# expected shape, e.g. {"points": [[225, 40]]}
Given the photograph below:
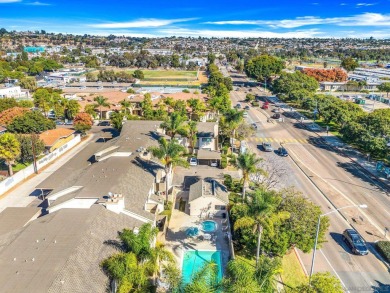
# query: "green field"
{"points": [[168, 74]]}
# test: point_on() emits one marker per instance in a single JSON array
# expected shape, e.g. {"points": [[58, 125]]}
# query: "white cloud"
{"points": [[9, 1], [364, 19], [239, 33], [343, 4], [151, 22], [365, 4], [37, 3]]}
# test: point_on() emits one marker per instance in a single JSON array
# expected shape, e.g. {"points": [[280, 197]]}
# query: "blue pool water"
{"points": [[194, 260], [209, 226]]}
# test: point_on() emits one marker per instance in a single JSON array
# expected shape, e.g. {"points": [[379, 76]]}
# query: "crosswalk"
{"points": [[278, 140]]}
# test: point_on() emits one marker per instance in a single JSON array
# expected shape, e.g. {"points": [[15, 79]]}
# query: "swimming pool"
{"points": [[209, 226], [194, 260]]}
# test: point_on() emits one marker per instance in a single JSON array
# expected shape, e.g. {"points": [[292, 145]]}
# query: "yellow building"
{"points": [[55, 138]]}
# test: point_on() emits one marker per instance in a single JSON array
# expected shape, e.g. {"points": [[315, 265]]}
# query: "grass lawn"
{"points": [[168, 74], [292, 274], [19, 166]]}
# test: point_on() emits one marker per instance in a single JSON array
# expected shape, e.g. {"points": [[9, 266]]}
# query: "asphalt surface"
{"points": [[331, 181]]}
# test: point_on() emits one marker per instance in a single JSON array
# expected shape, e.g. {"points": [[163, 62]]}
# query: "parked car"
{"points": [[276, 110], [355, 242], [193, 161], [282, 152], [245, 114], [276, 116], [104, 123], [69, 122], [254, 125], [265, 106], [59, 122], [238, 106], [247, 108], [267, 147], [214, 163]]}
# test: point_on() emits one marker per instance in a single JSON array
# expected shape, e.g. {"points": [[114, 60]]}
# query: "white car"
{"points": [[214, 163], [193, 162]]}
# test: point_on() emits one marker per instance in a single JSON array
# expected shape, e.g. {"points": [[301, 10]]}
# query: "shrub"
{"points": [[255, 104], [187, 91], [383, 248], [130, 91], [224, 162]]}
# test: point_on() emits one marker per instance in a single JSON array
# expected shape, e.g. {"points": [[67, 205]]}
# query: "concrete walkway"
{"points": [[22, 194]]}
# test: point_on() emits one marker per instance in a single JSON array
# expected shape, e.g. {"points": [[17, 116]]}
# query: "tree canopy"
{"points": [[263, 67], [31, 122]]}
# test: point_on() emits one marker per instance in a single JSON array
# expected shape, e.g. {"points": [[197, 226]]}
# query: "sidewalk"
{"points": [[23, 194]]}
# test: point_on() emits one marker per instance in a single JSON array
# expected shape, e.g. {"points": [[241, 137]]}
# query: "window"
{"points": [[219, 208]]}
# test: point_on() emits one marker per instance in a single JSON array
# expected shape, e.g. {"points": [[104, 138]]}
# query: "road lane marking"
{"points": [[338, 191], [345, 287]]}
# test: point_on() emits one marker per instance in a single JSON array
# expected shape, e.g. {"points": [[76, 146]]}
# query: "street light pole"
{"points": [[363, 206]]}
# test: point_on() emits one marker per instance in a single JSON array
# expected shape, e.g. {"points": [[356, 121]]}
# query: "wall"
{"points": [[10, 182]]}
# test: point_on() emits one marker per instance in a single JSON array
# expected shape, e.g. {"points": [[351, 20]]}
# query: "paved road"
{"points": [[338, 178]]}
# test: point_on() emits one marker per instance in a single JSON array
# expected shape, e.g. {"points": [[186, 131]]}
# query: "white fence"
{"points": [[10, 182]]}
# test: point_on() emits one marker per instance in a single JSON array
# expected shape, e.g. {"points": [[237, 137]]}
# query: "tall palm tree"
{"points": [[171, 154], [9, 150], [174, 124], [192, 131], [261, 210], [126, 106], [247, 163], [101, 102], [230, 121]]}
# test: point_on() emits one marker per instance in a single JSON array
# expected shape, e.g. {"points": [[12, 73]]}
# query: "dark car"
{"points": [[282, 152], [355, 242], [104, 123], [247, 108], [238, 106], [276, 116], [254, 125]]}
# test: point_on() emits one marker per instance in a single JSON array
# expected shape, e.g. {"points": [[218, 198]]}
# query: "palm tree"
{"points": [[197, 107], [192, 131], [170, 102], [101, 102], [204, 281], [138, 261], [240, 278], [9, 150], [230, 121], [171, 154], [247, 163], [261, 206], [127, 106], [174, 124]]}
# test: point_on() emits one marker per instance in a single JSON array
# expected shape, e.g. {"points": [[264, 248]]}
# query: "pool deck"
{"points": [[177, 240]]}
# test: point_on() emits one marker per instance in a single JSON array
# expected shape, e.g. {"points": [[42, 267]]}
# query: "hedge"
{"points": [[383, 248], [223, 161]]}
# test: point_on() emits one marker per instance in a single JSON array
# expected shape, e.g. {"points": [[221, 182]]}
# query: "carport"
{"points": [[205, 157]]}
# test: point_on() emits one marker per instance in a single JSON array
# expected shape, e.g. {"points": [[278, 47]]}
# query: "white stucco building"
{"points": [[14, 92]]}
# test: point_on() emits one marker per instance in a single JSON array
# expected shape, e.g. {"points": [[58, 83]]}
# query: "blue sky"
{"points": [[212, 18]]}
